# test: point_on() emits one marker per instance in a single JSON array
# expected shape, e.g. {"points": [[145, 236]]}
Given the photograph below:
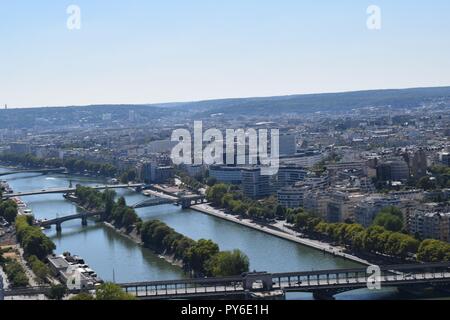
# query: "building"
{"points": [[291, 197], [160, 146], [316, 202], [288, 144], [417, 195], [290, 175], [306, 159], [429, 225], [444, 158], [152, 173], [254, 184], [341, 206], [365, 185], [419, 164], [231, 175], [73, 272], [393, 170], [194, 170], [19, 148], [334, 169], [317, 182], [367, 209]]}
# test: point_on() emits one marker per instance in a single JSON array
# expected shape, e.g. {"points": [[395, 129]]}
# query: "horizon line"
{"points": [[223, 98]]}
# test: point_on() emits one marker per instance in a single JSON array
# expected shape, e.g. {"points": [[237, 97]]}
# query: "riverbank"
{"points": [[286, 234], [133, 236]]}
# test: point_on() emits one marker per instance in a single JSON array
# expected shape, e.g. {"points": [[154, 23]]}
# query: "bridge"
{"points": [[188, 201], [323, 284], [185, 201], [69, 190], [43, 171], [153, 201], [60, 220]]}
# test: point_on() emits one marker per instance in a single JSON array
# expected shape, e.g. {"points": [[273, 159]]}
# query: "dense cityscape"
{"points": [[368, 184], [224, 159]]}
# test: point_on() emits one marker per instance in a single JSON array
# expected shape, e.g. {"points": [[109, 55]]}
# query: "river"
{"points": [[115, 257]]}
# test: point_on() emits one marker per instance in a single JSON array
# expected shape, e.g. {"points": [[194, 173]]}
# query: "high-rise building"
{"points": [[419, 164], [131, 116], [254, 184], [231, 175], [288, 144]]}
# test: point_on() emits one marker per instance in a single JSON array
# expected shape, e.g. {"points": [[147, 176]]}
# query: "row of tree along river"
{"points": [[118, 258]]}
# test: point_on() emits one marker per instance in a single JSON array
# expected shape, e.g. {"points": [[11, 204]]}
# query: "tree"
{"points": [[32, 239], [211, 181], [82, 296], [57, 292], [8, 210], [36, 243], [280, 211], [121, 202], [389, 221], [390, 218], [228, 263], [426, 183], [200, 253], [128, 176], [40, 269], [433, 251], [16, 274], [216, 193], [108, 197], [111, 291]]}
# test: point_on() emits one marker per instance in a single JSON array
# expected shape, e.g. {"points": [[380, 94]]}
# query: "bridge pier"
{"points": [[186, 204], [58, 228], [84, 221]]}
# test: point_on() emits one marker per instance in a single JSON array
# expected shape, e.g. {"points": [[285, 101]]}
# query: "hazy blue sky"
{"points": [[142, 51]]}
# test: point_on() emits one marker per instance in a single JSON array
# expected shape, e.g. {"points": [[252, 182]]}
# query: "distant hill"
{"points": [[397, 98], [118, 114]]}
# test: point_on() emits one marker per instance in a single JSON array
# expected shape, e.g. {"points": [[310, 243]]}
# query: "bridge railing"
{"points": [[423, 273], [307, 281], [184, 287]]}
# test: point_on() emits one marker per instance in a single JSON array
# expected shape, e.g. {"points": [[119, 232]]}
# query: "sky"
{"points": [[147, 51]]}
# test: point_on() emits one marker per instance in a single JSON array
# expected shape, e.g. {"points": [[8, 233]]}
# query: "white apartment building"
{"points": [[430, 225]]}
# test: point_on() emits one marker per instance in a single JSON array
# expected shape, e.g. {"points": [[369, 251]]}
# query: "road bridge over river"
{"points": [[324, 284], [43, 171], [70, 190]]}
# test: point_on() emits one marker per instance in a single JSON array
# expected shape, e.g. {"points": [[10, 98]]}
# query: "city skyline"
{"points": [[142, 53]]}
